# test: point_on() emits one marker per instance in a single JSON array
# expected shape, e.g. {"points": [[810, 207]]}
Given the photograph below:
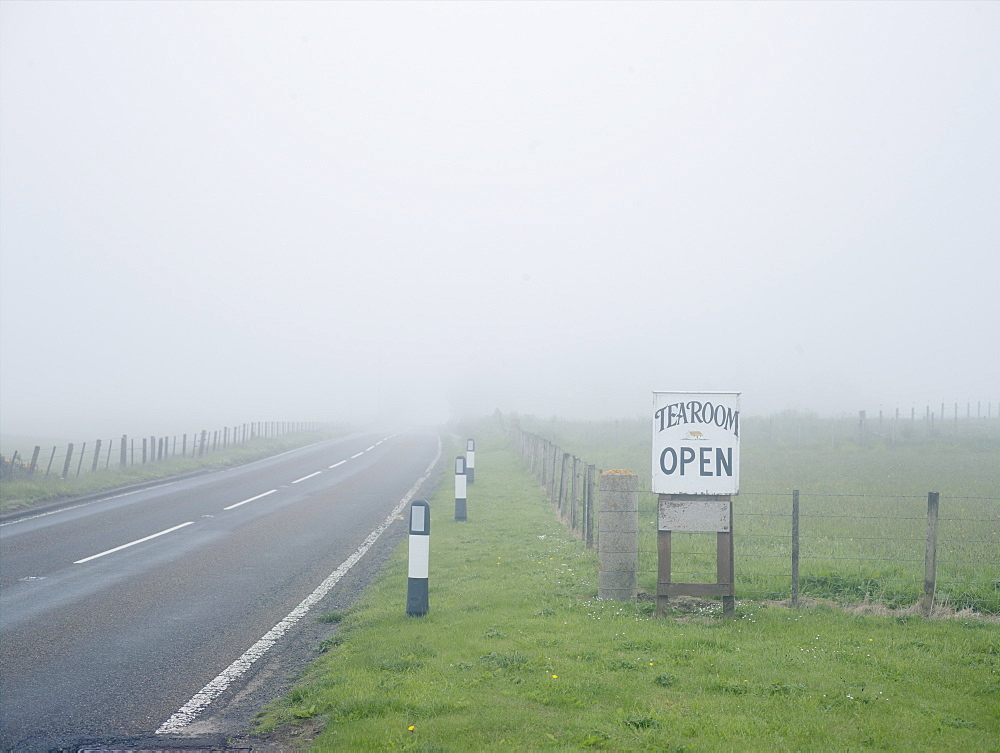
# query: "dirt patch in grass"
{"points": [[285, 739], [872, 609], [685, 607]]}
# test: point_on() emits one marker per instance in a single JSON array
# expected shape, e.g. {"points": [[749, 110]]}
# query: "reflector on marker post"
{"points": [[460, 478], [420, 550], [470, 460]]}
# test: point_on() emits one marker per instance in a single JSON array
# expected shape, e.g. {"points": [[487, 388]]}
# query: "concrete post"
{"points": [[618, 536], [930, 557]]}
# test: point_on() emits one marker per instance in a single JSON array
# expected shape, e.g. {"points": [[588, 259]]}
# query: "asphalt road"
{"points": [[116, 613]]}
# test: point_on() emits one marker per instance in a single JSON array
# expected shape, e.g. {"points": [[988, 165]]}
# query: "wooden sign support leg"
{"points": [[725, 585], [725, 569], [663, 571]]}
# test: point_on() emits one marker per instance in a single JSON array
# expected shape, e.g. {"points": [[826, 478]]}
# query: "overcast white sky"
{"points": [[223, 212]]}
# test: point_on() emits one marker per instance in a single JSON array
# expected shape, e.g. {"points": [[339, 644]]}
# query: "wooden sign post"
{"points": [[697, 513], [695, 474]]}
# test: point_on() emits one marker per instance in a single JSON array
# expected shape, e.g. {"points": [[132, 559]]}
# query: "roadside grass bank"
{"points": [[516, 653], [23, 494]]}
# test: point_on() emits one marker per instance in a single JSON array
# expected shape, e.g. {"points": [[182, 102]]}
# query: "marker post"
{"points": [[470, 460], [460, 493], [420, 550]]}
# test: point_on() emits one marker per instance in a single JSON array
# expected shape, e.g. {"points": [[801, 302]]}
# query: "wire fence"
{"points": [[896, 551], [969, 422], [70, 461]]}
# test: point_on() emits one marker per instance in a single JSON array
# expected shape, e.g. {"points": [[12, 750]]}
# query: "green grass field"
{"points": [[517, 653], [863, 508]]}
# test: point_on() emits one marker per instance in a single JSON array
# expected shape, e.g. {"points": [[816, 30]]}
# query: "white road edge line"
{"points": [[306, 477], [133, 543], [250, 500], [187, 713], [340, 463]]}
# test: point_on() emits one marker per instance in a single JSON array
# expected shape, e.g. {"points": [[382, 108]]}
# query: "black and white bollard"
{"points": [[420, 553], [460, 479], [470, 460]]}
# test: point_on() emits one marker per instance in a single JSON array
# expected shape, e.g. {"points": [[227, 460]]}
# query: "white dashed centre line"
{"points": [[357, 456], [306, 477], [190, 711], [340, 463], [133, 543], [250, 500]]}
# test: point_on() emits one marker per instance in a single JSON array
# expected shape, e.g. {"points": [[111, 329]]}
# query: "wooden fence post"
{"points": [[34, 460], [69, 458], [930, 555], [79, 465], [589, 508], [550, 468], [795, 547], [550, 463], [552, 487], [97, 456], [545, 464], [124, 451], [572, 495], [560, 504]]}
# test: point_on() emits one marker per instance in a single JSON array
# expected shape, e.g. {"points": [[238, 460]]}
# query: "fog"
{"points": [[213, 213]]}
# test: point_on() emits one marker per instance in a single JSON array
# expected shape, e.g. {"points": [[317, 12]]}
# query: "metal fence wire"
{"points": [[931, 550]]}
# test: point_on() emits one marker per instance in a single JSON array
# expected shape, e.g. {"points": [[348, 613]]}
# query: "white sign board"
{"points": [[696, 442], [695, 515]]}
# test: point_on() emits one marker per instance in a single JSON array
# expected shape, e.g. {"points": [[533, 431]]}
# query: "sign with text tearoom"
{"points": [[696, 442]]}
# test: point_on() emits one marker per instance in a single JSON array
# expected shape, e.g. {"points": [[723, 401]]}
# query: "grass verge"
{"points": [[23, 494], [517, 653]]}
